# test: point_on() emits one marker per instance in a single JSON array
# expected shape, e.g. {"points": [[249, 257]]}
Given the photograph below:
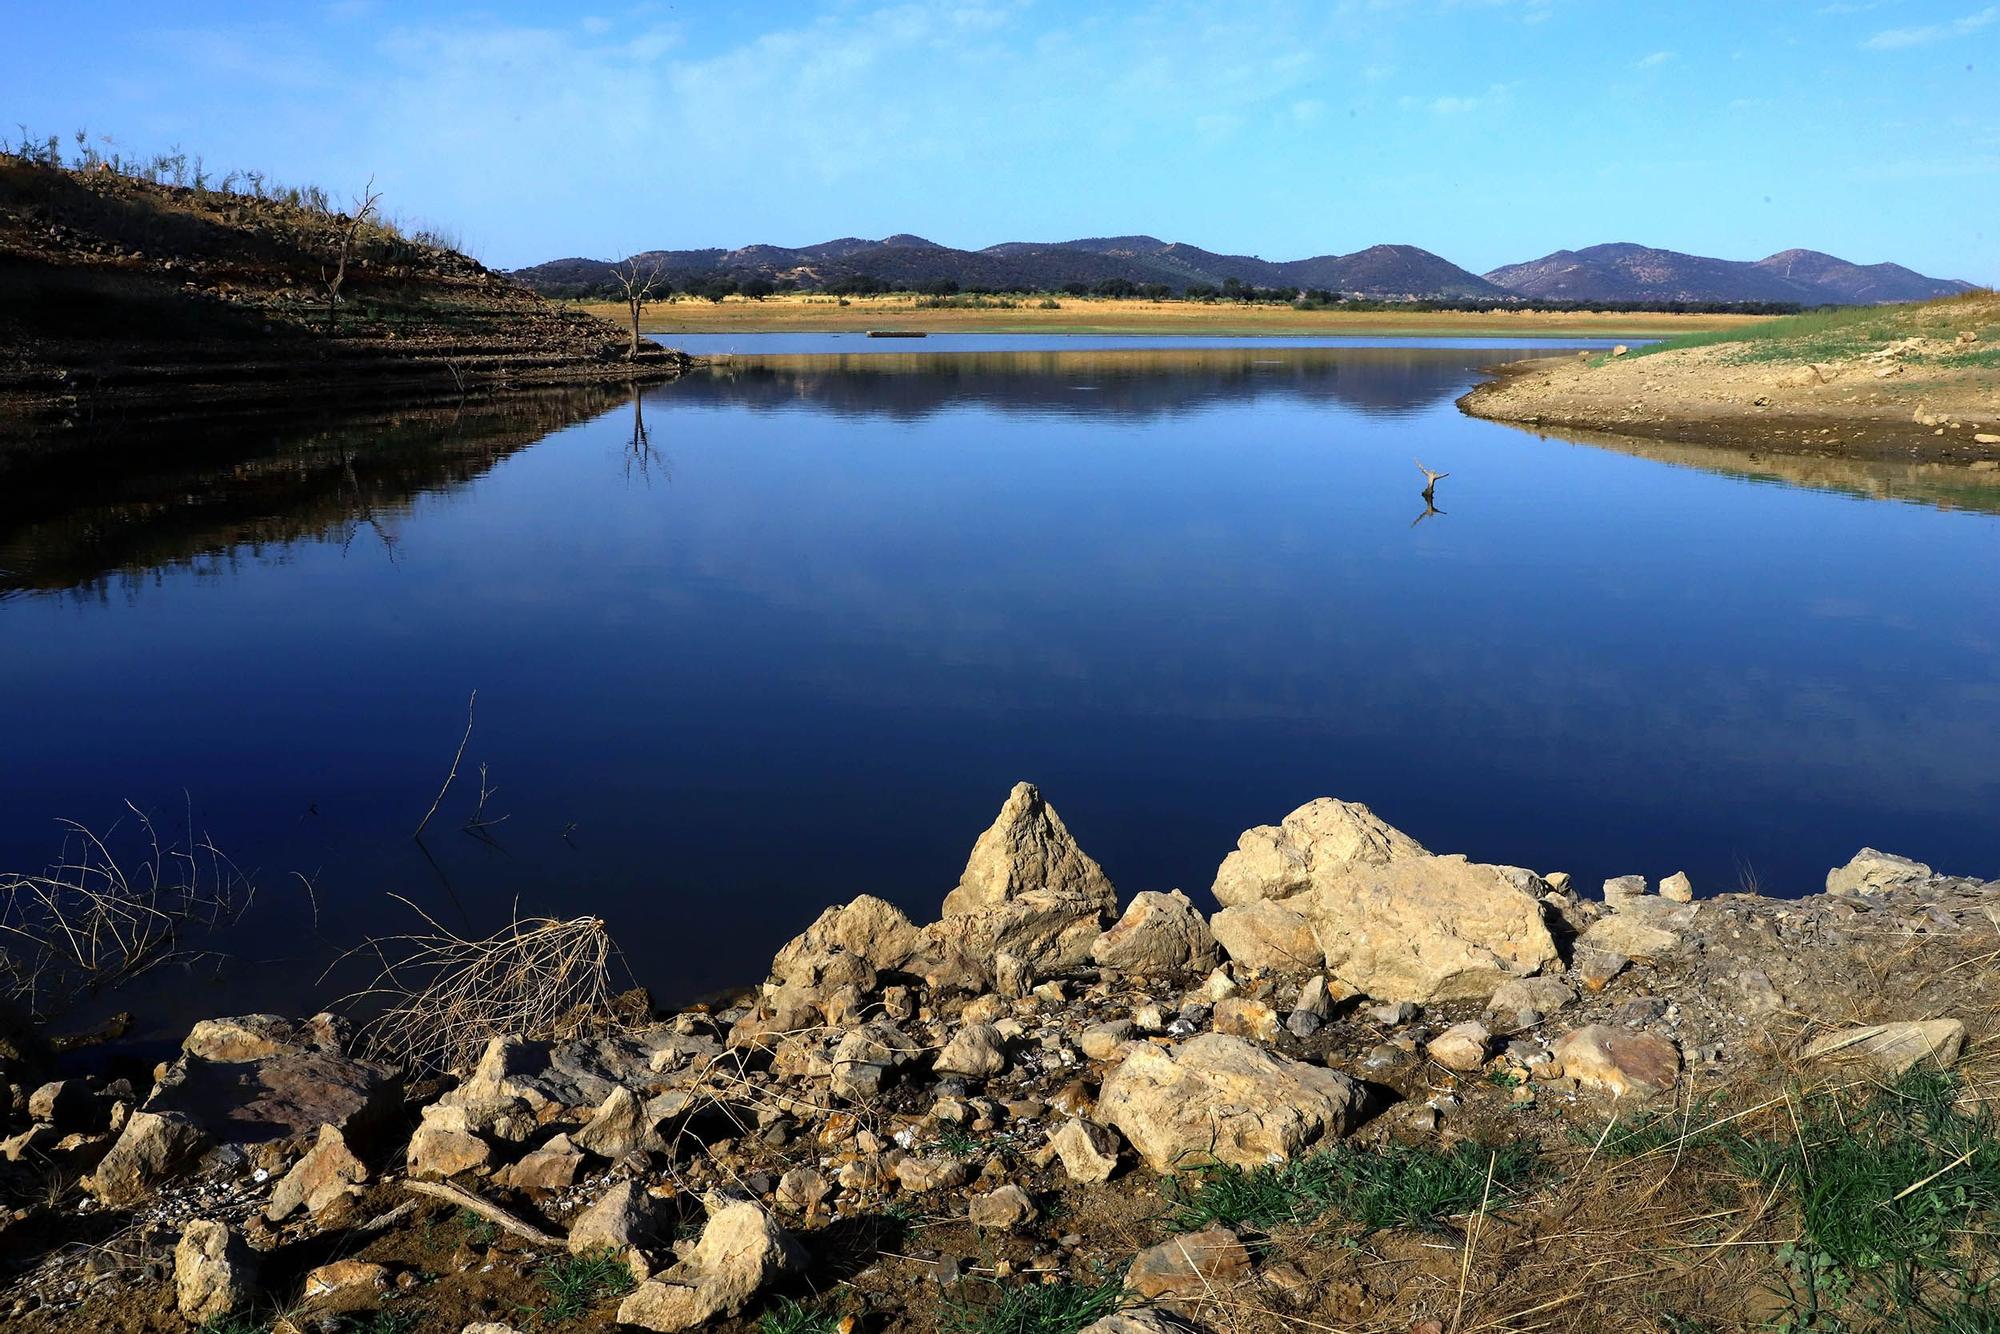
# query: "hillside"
{"points": [[907, 262], [1617, 274], [127, 288], [1623, 272]]}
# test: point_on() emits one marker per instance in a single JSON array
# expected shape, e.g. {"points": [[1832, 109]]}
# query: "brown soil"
{"points": [[117, 293], [1889, 403]]}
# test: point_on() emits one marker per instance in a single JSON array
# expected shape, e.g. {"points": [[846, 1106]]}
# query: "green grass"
{"points": [[1029, 1308], [789, 1316], [1394, 1186], [575, 1283], [1653, 1131], [1850, 331]]}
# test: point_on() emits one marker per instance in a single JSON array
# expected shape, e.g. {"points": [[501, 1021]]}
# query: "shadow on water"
{"points": [[86, 507]]}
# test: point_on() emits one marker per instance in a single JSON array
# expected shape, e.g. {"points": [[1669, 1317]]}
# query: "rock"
{"points": [[619, 1126], [1002, 1209], [1279, 861], [1101, 1042], [214, 1272], [803, 1190], [1266, 934], [921, 1175], [1620, 350], [1314, 999], [246, 1037], [869, 928], [66, 1104], [624, 1216], [1242, 1017], [327, 1175], [346, 1276], [1677, 888], [864, 1059], [1461, 1047], [154, 1147], [444, 1144], [742, 1249], [1596, 968], [1089, 1153], [1626, 934], [975, 1051], [1223, 1097], [1159, 935], [1028, 850], [1391, 1014], [1623, 889], [1618, 1061], [1391, 920], [1869, 871], [553, 1167], [1893, 1048], [285, 1092], [1523, 1002], [1190, 1267], [1136, 1321]]}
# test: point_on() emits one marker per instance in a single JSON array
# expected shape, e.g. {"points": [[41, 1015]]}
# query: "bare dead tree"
{"points": [[345, 236], [1431, 479], [639, 282]]}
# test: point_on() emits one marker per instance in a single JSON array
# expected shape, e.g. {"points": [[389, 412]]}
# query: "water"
{"points": [[797, 642]]}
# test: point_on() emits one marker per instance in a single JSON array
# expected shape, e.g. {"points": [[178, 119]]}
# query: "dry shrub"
{"points": [[441, 996], [88, 923]]}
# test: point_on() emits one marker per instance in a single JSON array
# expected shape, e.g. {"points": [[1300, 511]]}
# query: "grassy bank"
{"points": [[1105, 315]]}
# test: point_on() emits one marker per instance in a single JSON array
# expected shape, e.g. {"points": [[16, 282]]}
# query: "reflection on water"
{"points": [[786, 632]]}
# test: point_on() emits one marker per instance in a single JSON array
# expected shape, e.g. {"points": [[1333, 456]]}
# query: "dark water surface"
{"points": [[798, 643]]}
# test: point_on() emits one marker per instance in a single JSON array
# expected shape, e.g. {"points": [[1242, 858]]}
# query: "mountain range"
{"points": [[1615, 273]]}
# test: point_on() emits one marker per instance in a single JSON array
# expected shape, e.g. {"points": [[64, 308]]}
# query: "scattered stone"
{"points": [[975, 1051], [1677, 888], [1000, 1210], [553, 1167], [742, 1249], [1089, 1152], [154, 1147], [920, 1176], [865, 1057], [1624, 889], [214, 1272], [1390, 1014], [869, 929], [1190, 1267], [346, 1276], [1159, 935], [1134, 1321], [1595, 968], [1628, 935], [803, 1190], [1461, 1047], [1893, 1048], [1523, 1002], [1314, 999], [444, 1145], [625, 1216], [328, 1175], [1869, 872], [1101, 1042], [1219, 1096], [1618, 1061], [1241, 1017]]}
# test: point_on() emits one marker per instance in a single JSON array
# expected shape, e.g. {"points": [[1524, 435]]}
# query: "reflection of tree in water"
{"points": [[204, 493], [641, 458], [1117, 383]]}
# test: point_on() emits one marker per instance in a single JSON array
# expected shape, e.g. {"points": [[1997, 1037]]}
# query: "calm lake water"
{"points": [[797, 641]]}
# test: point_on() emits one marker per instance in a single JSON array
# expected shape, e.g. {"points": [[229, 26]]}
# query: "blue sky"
{"points": [[1489, 131]]}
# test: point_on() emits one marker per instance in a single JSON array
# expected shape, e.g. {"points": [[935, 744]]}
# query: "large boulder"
{"points": [[154, 1147], [1265, 933], [328, 1176], [869, 929], [1219, 1098], [1619, 1061], [256, 1078], [1159, 935], [742, 1249], [1391, 919], [214, 1272], [1869, 871], [1028, 892]]}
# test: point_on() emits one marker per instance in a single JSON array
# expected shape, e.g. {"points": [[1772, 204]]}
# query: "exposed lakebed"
{"points": [[796, 642]]}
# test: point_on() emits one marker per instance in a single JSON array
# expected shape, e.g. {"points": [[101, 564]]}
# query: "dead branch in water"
{"points": [[88, 923], [438, 800], [443, 996]]}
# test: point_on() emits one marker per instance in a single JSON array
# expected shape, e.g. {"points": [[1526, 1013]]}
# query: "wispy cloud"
{"points": [[1653, 60], [1897, 39]]}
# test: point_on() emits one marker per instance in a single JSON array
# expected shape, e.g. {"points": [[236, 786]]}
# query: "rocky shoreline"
{"points": [[1931, 395], [1032, 1100]]}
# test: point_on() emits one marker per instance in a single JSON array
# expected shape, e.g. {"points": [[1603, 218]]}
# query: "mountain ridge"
{"points": [[1615, 272]]}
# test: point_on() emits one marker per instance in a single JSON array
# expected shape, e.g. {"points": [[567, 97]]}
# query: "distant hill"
{"points": [[1623, 272], [910, 262]]}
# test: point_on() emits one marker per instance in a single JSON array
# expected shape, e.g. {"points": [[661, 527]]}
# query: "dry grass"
{"points": [[89, 922], [441, 996], [823, 314]]}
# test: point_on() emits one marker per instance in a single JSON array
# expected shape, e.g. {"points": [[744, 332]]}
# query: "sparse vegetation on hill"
{"points": [[134, 277]]}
